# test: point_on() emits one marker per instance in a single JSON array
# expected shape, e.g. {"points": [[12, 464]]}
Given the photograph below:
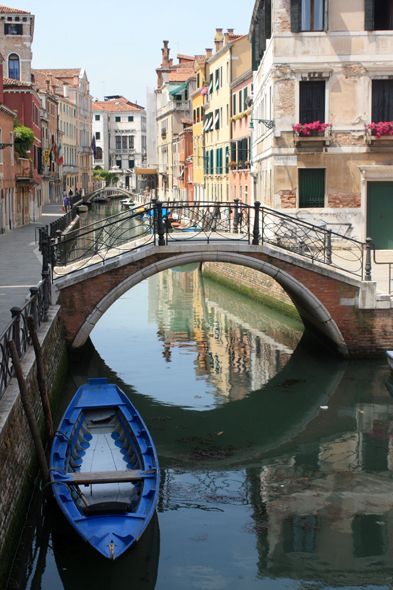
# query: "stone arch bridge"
{"points": [[341, 311]]}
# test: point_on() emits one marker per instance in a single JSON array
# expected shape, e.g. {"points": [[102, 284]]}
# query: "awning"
{"points": [[142, 171], [178, 89], [209, 123], [216, 119]]}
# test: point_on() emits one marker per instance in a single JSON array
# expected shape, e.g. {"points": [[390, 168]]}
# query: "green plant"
{"points": [[23, 139]]}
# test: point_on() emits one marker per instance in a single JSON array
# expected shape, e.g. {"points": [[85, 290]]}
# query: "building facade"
{"points": [[239, 165], [198, 100], [16, 38], [323, 76], [119, 128], [230, 61], [7, 164], [175, 85]]}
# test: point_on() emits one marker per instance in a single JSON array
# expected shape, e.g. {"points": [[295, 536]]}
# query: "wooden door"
{"points": [[380, 214]]}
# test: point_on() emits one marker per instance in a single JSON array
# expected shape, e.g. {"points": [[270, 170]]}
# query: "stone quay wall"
{"points": [[18, 465], [253, 283]]}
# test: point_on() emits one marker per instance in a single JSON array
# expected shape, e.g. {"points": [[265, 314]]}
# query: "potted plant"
{"points": [[232, 165], [309, 129], [381, 129]]}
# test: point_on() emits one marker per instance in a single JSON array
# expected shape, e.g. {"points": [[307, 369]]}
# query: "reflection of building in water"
{"points": [[233, 355], [328, 509]]}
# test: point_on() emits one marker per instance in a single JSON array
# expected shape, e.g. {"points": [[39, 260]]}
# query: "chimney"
{"points": [[166, 63], [65, 90], [218, 39], [47, 83], [230, 31], [76, 80], [209, 53], [226, 38]]}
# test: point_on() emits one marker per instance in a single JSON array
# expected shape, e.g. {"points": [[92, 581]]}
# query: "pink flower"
{"points": [[383, 128], [306, 128]]}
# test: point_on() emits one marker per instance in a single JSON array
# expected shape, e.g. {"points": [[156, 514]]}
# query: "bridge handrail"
{"points": [[371, 246], [17, 330], [233, 220]]}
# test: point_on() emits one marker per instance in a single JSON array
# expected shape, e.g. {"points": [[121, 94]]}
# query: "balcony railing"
{"points": [[174, 105]]}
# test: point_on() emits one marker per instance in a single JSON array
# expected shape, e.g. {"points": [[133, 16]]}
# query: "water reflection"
{"points": [[280, 474]]}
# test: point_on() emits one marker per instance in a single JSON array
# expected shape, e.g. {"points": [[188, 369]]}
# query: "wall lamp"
{"points": [[268, 124]]}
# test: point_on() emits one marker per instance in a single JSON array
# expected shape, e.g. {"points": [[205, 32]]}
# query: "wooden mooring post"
{"points": [[29, 412], [41, 378]]}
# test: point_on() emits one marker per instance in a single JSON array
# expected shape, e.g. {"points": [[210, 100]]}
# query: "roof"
{"points": [[11, 82], [180, 76], [116, 105], [187, 122], [8, 10], [62, 75], [40, 79], [200, 59], [182, 56]]}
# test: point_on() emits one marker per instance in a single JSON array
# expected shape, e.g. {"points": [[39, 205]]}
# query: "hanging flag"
{"points": [[93, 146], [54, 152], [60, 158]]}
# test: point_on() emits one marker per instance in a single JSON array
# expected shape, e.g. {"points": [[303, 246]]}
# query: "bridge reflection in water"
{"points": [[260, 484]]}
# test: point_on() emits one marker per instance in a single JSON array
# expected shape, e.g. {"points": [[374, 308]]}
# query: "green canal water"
{"points": [[276, 459]]}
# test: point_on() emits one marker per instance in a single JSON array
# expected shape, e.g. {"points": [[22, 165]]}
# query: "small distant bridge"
{"points": [[110, 192], [327, 276]]}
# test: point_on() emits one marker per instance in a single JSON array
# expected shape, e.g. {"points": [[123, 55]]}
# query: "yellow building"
{"points": [[198, 99], [232, 59]]}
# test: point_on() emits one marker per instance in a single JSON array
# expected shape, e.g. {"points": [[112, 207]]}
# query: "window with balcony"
{"points": [[14, 67], [124, 142], [382, 101], [378, 15], [309, 15], [118, 163], [311, 187], [312, 102], [131, 142], [118, 142]]}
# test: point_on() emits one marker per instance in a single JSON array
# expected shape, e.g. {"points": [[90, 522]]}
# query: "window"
{"points": [[124, 142], [98, 134], [234, 104], [131, 142], [309, 15], [130, 118], [117, 119], [118, 163], [227, 159], [216, 119], [378, 15], [96, 117], [12, 150], [198, 79], [227, 114], [13, 29], [194, 113], [13, 67], [118, 142], [131, 163], [210, 84], [217, 85], [312, 102], [233, 151], [240, 101], [245, 94], [382, 100], [311, 187], [197, 114]]}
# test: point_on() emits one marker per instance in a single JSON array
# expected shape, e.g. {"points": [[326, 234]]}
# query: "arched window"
{"points": [[13, 67], [99, 153]]}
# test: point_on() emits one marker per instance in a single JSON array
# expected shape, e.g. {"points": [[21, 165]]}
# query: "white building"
{"points": [[119, 128]]}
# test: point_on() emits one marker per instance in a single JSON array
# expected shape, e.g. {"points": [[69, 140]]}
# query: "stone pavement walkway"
{"points": [[20, 262]]}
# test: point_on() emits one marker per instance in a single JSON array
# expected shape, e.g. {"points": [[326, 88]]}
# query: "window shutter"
{"points": [[268, 19], [326, 15], [254, 60], [311, 187], [382, 100], [262, 34], [296, 16], [368, 15], [312, 102]]}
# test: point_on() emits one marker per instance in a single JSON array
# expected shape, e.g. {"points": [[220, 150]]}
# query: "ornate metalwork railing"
{"points": [[170, 222], [37, 307]]}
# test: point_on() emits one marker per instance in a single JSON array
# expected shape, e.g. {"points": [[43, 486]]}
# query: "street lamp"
{"points": [[267, 123]]}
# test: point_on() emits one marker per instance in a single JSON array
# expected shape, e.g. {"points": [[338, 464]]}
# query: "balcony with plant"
{"points": [[382, 130]]}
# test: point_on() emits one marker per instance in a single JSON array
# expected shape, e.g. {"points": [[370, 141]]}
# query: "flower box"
{"points": [[382, 130], [315, 129]]}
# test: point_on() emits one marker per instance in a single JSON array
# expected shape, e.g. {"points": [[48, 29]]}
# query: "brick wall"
{"points": [[287, 199], [252, 279], [337, 199], [17, 464]]}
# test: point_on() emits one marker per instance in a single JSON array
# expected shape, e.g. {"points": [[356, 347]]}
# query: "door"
{"points": [[380, 214]]}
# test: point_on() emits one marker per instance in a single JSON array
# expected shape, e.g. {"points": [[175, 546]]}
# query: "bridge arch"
{"points": [[313, 312]]}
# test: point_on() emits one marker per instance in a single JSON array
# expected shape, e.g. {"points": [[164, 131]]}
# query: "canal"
{"points": [[276, 459]]}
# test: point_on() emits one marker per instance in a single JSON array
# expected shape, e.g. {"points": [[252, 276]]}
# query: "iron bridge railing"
{"points": [[163, 223], [37, 306]]}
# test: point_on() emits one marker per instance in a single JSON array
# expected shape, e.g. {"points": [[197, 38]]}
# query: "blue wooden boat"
{"points": [[104, 468]]}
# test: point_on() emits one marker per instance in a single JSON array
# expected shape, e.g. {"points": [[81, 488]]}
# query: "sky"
{"points": [[119, 42]]}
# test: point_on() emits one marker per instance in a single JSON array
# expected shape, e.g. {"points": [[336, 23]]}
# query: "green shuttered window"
{"points": [[311, 187]]}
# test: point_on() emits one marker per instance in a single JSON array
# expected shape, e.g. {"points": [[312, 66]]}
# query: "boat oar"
{"points": [[29, 412]]}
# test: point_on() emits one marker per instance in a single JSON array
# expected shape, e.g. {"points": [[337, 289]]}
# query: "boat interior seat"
{"points": [[107, 508]]}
